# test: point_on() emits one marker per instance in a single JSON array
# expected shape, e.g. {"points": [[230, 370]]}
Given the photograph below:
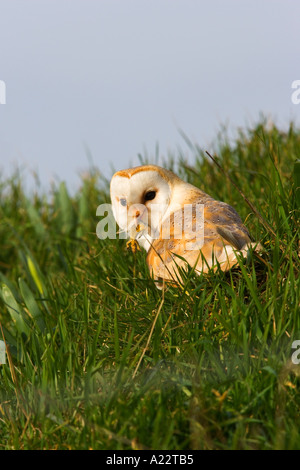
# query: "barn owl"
{"points": [[160, 211]]}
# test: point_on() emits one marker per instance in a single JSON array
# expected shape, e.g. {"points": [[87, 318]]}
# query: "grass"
{"points": [[98, 358]]}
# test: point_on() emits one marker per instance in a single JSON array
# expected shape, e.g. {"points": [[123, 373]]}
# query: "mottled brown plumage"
{"points": [[223, 228]]}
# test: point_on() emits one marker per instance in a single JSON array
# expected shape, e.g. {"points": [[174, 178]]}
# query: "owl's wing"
{"points": [[223, 221], [215, 244]]}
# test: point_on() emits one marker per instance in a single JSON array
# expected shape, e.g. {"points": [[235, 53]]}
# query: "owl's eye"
{"points": [[150, 195], [123, 202]]}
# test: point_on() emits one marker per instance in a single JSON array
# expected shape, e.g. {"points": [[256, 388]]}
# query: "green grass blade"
{"points": [[16, 312], [32, 306]]}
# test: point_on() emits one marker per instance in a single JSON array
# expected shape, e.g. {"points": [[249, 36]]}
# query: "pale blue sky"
{"points": [[119, 76]]}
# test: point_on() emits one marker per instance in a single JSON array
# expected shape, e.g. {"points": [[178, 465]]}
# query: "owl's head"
{"points": [[142, 198]]}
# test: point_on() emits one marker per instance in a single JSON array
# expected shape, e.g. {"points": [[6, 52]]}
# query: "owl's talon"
{"points": [[133, 246]]}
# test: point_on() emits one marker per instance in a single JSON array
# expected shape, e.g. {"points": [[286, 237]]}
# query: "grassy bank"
{"points": [[99, 358]]}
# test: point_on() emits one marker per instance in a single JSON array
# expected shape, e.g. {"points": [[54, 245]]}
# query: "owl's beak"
{"points": [[138, 223], [136, 230]]}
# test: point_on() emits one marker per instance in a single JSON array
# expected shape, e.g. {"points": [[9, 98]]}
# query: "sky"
{"points": [[115, 78]]}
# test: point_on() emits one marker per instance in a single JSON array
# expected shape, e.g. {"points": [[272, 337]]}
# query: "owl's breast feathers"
{"points": [[222, 234]]}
